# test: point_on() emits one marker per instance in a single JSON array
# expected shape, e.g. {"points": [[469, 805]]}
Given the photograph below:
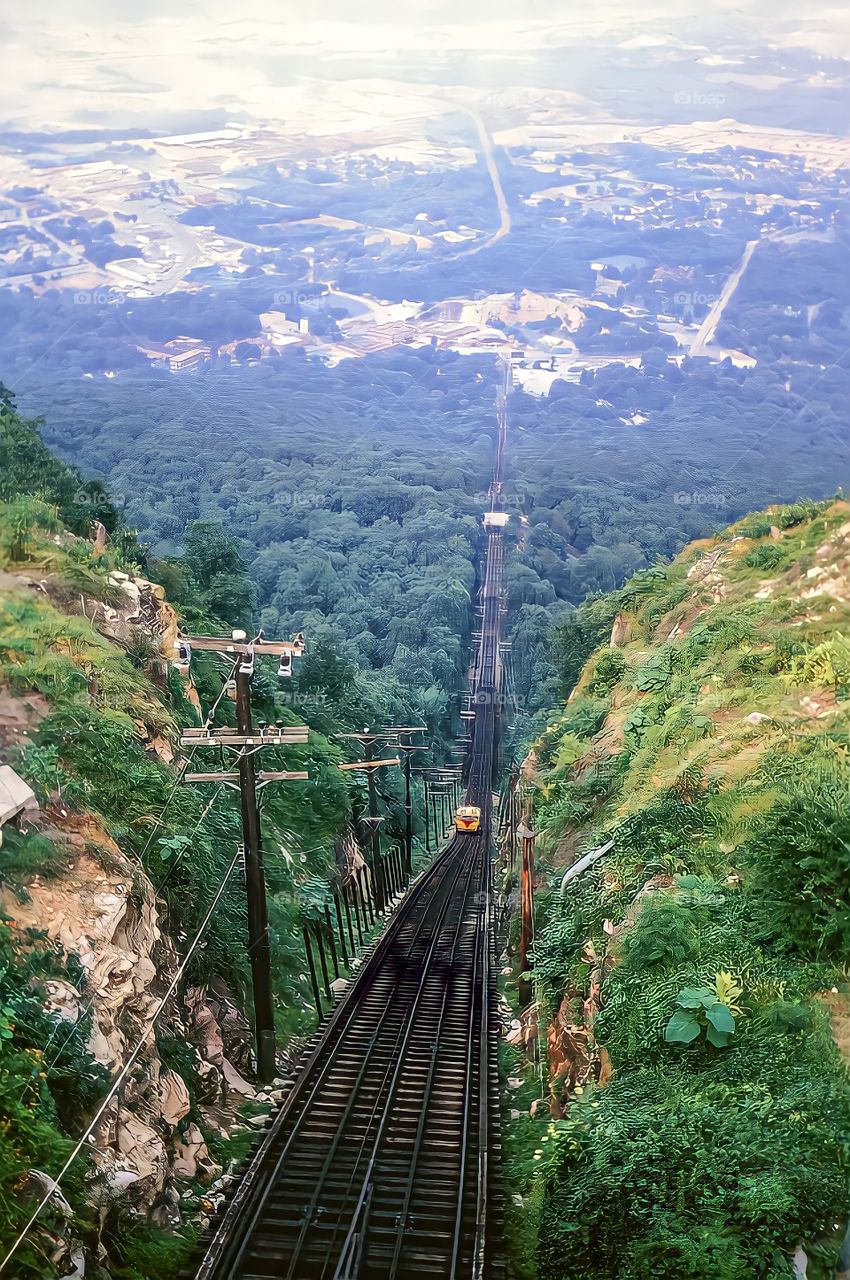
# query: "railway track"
{"points": [[379, 1164]]}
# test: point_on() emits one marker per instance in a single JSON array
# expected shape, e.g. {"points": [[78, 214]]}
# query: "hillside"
{"points": [[105, 886], [694, 978]]}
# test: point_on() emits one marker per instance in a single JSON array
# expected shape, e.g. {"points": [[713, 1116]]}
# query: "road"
{"points": [[182, 243], [705, 334], [704, 338], [505, 219]]}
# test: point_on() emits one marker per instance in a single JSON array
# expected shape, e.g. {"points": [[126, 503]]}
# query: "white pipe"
{"points": [[587, 860]]}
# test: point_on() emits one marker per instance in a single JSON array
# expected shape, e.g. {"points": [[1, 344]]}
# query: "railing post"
{"points": [[312, 968], [317, 930], [331, 940], [366, 897], [353, 891], [341, 929]]}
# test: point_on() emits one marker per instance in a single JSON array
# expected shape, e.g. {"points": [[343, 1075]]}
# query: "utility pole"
{"points": [[380, 887], [408, 815], [441, 784], [245, 742], [526, 924], [259, 949], [513, 784], [427, 812], [408, 748], [368, 739]]}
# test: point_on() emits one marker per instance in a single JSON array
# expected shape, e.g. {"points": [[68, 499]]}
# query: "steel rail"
{"points": [[340, 1020], [400, 1063], [405, 1030]]}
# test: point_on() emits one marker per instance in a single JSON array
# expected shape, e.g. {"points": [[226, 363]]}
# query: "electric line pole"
{"points": [[391, 736], [408, 814], [245, 742], [441, 783], [526, 933], [427, 801], [408, 748], [371, 786], [259, 950], [512, 817]]}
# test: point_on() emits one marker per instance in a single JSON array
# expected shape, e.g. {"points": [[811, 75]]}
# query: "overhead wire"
{"points": [[188, 760], [157, 889]]}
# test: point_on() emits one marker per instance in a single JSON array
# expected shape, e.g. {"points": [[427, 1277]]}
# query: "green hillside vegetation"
{"points": [[702, 962]]}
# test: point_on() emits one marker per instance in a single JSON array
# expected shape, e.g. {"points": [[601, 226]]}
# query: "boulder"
{"points": [[192, 1158], [174, 1098]]}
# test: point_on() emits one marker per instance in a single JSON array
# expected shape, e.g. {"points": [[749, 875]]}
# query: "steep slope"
{"points": [[100, 892], [691, 973]]}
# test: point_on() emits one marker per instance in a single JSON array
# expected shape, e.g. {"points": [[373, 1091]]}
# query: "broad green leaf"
{"points": [[719, 1039], [695, 997], [720, 1017], [682, 1028]]}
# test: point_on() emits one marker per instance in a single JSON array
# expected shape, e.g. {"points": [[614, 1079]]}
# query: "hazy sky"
{"points": [[66, 62], [417, 11], [107, 14]]}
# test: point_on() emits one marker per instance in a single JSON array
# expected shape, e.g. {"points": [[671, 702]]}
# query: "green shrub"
{"points": [[42, 1097], [24, 855], [703, 1010], [142, 1251], [663, 933], [607, 671], [798, 860], [664, 1172], [767, 555]]}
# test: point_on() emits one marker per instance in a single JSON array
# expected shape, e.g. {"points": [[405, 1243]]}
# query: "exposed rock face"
{"points": [[221, 1035], [146, 608], [98, 908], [19, 715], [103, 911], [620, 632], [573, 1055]]}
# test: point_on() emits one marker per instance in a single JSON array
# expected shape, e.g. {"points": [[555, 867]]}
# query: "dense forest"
{"points": [[347, 503], [355, 493]]}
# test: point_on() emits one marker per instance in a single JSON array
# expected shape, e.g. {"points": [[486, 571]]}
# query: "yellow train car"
{"points": [[468, 818]]}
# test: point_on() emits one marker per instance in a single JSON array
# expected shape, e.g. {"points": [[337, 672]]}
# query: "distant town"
{"points": [[326, 234]]}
